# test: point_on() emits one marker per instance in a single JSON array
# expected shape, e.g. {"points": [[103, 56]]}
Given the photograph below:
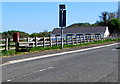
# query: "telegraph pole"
{"points": [[62, 21]]}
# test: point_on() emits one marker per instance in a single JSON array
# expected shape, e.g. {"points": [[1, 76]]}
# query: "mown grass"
{"points": [[95, 42], [37, 49], [7, 53]]}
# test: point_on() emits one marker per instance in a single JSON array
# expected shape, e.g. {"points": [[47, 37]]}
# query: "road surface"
{"points": [[97, 65]]}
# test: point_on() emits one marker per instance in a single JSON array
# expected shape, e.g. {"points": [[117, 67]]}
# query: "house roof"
{"points": [[86, 30]]}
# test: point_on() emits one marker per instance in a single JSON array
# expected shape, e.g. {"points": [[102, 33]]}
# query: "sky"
{"points": [[37, 17]]}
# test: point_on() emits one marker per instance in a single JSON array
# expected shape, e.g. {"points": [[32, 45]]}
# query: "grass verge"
{"points": [[38, 49]]}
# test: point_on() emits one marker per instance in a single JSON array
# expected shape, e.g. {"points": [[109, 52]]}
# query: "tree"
{"points": [[24, 35], [41, 34], [114, 24], [112, 15], [97, 23], [104, 18], [34, 35], [9, 34], [80, 25]]}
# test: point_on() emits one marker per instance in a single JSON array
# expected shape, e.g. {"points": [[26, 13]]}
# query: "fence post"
{"points": [[72, 39], [76, 39], [6, 44], [43, 41], [35, 41], [91, 38], [27, 39], [56, 40], [99, 37], [79, 39], [87, 38], [16, 47], [50, 41], [83, 38], [66, 40], [94, 37]]}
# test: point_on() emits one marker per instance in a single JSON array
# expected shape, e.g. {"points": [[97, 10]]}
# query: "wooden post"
{"points": [[83, 38], [17, 44], [100, 37], [97, 38], [76, 39], [94, 37], [87, 38], [27, 39], [90, 38], [50, 41], [35, 41], [72, 39], [28, 44], [79, 39], [66, 40], [43, 41], [56, 41], [6, 44]]}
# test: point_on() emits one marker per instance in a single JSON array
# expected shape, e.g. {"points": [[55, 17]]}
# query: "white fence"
{"points": [[6, 44]]}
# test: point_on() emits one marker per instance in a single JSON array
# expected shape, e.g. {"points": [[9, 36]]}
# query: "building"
{"points": [[87, 32], [119, 9]]}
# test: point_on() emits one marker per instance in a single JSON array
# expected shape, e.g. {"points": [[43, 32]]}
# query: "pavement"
{"points": [[97, 65]]}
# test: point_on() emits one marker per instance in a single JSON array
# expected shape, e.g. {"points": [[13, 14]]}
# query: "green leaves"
{"points": [[114, 24], [9, 34], [41, 34]]}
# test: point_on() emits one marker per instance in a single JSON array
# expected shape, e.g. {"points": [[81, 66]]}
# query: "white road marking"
{"points": [[24, 75], [114, 81], [113, 49], [8, 80], [50, 67], [41, 70], [56, 54]]}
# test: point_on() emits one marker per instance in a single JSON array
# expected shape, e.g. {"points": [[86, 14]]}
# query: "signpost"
{"points": [[62, 20]]}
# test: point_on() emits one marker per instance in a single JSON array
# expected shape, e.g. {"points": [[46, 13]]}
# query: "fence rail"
{"points": [[6, 44]]}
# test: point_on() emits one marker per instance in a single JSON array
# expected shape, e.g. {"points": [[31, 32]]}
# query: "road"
{"points": [[97, 65]]}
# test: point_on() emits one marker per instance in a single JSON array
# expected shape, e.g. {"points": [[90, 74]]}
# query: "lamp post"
{"points": [[62, 20]]}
